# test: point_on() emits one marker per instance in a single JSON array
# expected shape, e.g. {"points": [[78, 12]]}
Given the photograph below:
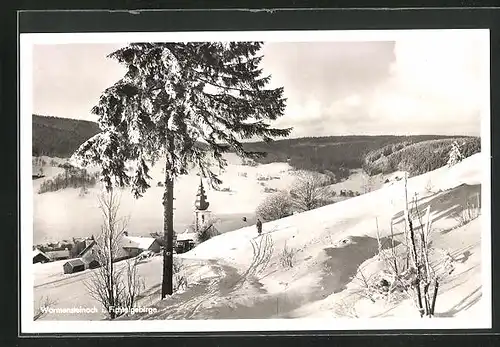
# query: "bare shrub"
{"points": [[115, 287], [308, 191], [134, 284], [364, 285], [449, 263], [180, 280], [429, 187], [287, 257], [343, 308], [380, 286], [419, 278], [43, 307], [275, 206], [206, 230], [470, 211], [262, 249], [407, 270]]}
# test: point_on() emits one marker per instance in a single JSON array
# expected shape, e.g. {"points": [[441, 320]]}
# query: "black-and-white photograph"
{"points": [[255, 181]]}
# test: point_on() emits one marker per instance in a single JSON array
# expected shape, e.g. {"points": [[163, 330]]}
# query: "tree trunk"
{"points": [[168, 232], [434, 296], [111, 224]]}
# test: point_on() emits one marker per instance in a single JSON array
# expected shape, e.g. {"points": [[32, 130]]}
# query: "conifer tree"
{"points": [[455, 155], [185, 104]]}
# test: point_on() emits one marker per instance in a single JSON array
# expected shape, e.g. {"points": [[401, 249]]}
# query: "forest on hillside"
{"points": [[418, 158], [335, 155], [332, 155], [60, 137]]}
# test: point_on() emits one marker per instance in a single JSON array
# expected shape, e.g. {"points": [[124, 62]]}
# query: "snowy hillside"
{"points": [[54, 220], [332, 243], [240, 275]]}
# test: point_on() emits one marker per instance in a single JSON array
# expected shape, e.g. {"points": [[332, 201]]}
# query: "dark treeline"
{"points": [[332, 155], [60, 137], [418, 158]]}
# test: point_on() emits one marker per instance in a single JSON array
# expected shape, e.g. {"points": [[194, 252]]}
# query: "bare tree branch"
{"points": [[308, 191], [115, 287]]}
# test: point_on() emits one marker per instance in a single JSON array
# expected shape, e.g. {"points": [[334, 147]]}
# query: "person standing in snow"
{"points": [[259, 226]]}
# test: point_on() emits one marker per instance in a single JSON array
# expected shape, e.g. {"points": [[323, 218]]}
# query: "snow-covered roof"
{"points": [[64, 253], [75, 262], [186, 236], [137, 242], [37, 252], [87, 248]]}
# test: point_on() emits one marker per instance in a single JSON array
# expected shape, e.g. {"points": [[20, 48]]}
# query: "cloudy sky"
{"points": [[428, 84]]}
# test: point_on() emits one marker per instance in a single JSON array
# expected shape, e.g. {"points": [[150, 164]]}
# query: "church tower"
{"points": [[201, 214], [201, 203]]}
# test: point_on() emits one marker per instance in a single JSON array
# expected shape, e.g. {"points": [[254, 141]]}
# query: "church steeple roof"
{"points": [[201, 198]]}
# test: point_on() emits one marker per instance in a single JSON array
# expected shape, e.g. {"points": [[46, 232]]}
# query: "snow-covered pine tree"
{"points": [[187, 104], [455, 156]]}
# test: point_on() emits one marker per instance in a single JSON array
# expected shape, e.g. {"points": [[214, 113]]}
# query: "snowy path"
{"points": [[222, 297], [219, 290], [239, 293]]}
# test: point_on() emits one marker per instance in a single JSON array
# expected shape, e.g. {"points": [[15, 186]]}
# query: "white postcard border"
{"points": [[26, 288]]}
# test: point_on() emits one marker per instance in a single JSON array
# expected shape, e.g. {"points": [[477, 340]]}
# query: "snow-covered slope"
{"points": [[330, 246], [240, 275]]}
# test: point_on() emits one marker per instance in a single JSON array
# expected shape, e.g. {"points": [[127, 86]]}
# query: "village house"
{"points": [[130, 246], [80, 244], [85, 250], [90, 263], [134, 245], [58, 255], [73, 265], [88, 255], [184, 242], [40, 257]]}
